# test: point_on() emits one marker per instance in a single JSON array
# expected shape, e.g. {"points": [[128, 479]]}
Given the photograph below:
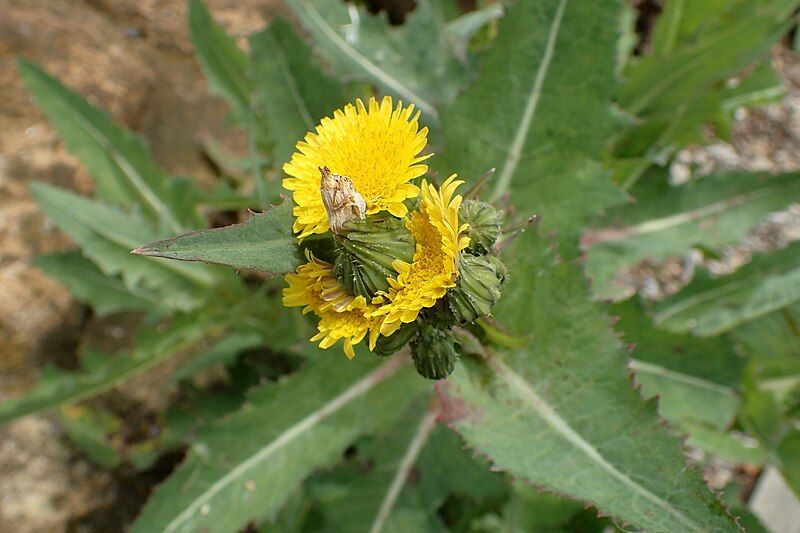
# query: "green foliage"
{"points": [[87, 283], [303, 422], [415, 62], [283, 437], [709, 306], [703, 63], [549, 395], [263, 242], [119, 161], [696, 379], [710, 212], [351, 497], [291, 88], [102, 372], [225, 65], [539, 109]]}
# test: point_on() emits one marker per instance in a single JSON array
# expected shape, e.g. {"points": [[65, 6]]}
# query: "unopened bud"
{"points": [[434, 352], [397, 340], [341, 200], [477, 288], [485, 223]]}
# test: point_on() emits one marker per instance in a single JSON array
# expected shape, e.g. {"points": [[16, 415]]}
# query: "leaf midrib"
{"points": [[550, 416], [783, 268], [532, 103], [350, 394], [386, 78]]}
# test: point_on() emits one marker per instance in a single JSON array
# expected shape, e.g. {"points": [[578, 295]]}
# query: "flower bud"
{"points": [[485, 223], [477, 288], [434, 352], [397, 340], [365, 251]]}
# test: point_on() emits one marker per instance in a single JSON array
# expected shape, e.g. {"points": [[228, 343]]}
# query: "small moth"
{"points": [[342, 201]]}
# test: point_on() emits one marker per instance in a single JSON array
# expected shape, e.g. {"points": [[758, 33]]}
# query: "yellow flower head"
{"points": [[378, 147], [439, 240], [342, 316]]}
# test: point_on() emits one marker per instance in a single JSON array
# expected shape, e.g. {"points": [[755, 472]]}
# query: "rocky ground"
{"points": [[135, 60]]}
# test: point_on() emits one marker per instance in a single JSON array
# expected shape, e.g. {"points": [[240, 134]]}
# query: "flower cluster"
{"points": [[387, 260]]}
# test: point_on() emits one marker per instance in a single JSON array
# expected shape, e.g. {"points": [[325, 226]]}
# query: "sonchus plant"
{"points": [[387, 260], [385, 250]]}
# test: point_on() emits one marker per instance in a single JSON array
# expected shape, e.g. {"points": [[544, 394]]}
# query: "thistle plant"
{"points": [[362, 203]]}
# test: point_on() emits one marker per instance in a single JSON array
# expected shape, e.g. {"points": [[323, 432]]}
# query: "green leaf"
{"points": [[377, 487], [291, 88], [740, 34], [461, 30], [709, 306], [245, 467], [106, 235], [695, 379], [117, 159], [106, 295], [90, 430], [561, 413], [540, 109], [733, 446], [225, 65], [223, 352], [705, 59], [666, 221], [413, 62], [772, 344], [102, 372], [529, 509], [264, 242]]}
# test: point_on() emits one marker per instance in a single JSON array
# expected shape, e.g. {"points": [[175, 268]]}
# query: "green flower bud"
{"points": [[391, 344], [434, 352], [477, 288], [365, 251], [485, 223]]}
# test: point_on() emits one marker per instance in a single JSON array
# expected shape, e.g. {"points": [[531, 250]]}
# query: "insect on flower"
{"points": [[383, 268]]}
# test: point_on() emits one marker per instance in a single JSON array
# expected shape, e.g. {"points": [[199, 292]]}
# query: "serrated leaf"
{"points": [[102, 372], [540, 109], [412, 61], [695, 379], [106, 235], [246, 466], [87, 283], [264, 242], [561, 412], [666, 221], [117, 159], [709, 306], [293, 91]]}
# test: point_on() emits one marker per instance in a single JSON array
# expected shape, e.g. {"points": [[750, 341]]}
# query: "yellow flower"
{"points": [[439, 241], [377, 148], [315, 288]]}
